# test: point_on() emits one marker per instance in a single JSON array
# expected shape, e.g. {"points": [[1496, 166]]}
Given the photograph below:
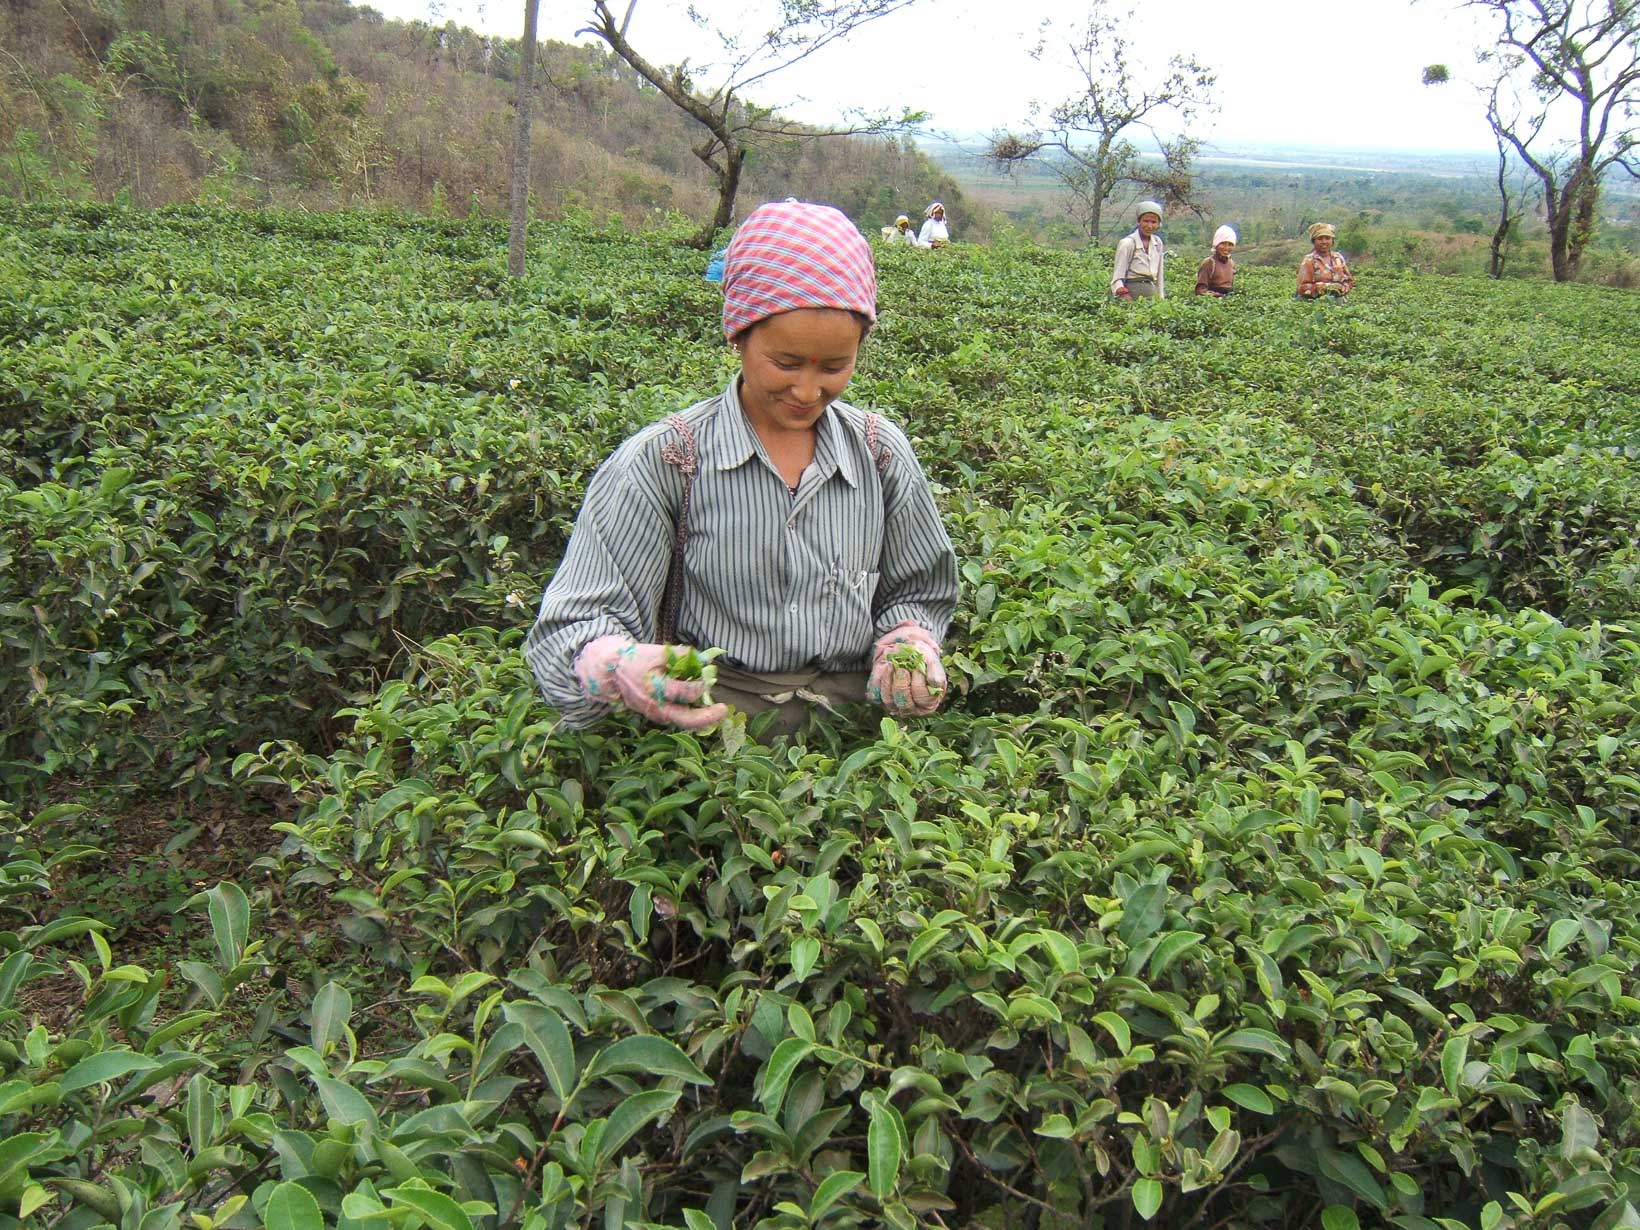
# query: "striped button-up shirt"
{"points": [[779, 581]]}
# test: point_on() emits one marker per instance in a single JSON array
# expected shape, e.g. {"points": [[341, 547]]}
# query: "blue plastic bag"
{"points": [[714, 266]]}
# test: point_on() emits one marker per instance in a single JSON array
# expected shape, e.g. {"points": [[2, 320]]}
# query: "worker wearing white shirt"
{"points": [[934, 233], [1140, 257]]}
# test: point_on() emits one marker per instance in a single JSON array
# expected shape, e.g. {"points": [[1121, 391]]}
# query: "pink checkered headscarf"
{"points": [[790, 255]]}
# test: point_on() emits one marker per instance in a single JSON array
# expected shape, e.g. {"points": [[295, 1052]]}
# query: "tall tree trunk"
{"points": [[1558, 214], [521, 146], [1501, 235], [728, 184], [1585, 201], [1101, 186], [1558, 264], [1499, 238]]}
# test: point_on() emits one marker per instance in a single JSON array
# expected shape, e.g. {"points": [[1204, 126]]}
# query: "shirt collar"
{"points": [[829, 455], [740, 443]]}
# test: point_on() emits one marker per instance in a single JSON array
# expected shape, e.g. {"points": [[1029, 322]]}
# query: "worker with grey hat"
{"points": [[1139, 258]]}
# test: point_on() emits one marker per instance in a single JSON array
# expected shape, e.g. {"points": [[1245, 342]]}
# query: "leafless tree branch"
{"points": [[1084, 141], [802, 29]]}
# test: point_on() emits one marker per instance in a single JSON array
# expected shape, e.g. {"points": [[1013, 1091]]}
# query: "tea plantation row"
{"points": [[1273, 864]]}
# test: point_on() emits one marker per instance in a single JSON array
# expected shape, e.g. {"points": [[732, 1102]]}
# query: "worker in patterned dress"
{"points": [[1323, 272]]}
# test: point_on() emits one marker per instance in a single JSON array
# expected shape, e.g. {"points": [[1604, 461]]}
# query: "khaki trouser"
{"points": [[1141, 288], [793, 694]]}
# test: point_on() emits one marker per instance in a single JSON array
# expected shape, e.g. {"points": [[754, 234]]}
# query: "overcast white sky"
{"points": [[1342, 73]]}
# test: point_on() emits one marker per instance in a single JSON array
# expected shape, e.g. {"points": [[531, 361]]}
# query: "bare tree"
{"points": [[1513, 196], [1084, 141], [1576, 56], [735, 126], [518, 231]]}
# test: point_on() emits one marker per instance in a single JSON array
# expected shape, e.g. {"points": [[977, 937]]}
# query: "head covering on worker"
{"points": [[929, 212], [795, 255], [1225, 234], [1320, 229], [1149, 207], [902, 222]]}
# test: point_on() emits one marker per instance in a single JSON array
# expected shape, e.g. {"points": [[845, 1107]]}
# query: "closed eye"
{"points": [[788, 364]]}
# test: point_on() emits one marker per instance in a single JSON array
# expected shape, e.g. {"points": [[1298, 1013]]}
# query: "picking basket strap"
{"points": [[683, 455], [879, 452]]}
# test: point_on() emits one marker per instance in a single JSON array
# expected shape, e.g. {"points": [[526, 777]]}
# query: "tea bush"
{"points": [[274, 444], [1274, 853]]}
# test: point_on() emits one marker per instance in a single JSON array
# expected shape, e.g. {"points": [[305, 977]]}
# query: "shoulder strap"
{"points": [[880, 456], [683, 455]]}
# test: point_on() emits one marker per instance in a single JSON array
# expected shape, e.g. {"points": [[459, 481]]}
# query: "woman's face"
{"points": [[1149, 224], [794, 365], [939, 212], [1324, 244], [1224, 249]]}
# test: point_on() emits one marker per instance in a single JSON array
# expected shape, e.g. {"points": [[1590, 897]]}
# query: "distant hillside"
{"points": [[321, 103]]}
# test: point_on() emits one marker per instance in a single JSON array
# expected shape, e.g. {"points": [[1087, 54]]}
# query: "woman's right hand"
{"points": [[620, 671], [905, 690]]}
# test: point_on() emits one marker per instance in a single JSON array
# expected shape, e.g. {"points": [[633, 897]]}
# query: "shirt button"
{"points": [[794, 608], [792, 524]]}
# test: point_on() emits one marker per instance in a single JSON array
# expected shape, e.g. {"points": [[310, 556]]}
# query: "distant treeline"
{"points": [[324, 104]]}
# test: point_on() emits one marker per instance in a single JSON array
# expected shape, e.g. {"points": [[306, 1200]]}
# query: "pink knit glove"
{"points": [[907, 692], [619, 671]]}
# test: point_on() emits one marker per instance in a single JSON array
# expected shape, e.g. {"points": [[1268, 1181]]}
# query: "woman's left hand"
{"points": [[902, 689]]}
